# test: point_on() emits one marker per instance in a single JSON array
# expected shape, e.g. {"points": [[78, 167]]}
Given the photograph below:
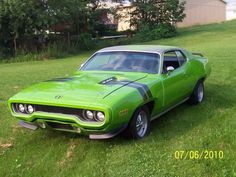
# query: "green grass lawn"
{"points": [[209, 126]]}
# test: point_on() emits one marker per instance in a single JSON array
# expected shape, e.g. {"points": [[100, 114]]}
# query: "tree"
{"points": [[155, 12], [81, 15], [19, 18], [27, 18]]}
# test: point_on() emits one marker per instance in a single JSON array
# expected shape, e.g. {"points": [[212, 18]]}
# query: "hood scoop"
{"points": [[109, 80]]}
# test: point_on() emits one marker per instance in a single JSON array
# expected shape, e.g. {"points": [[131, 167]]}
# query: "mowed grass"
{"points": [[209, 126]]}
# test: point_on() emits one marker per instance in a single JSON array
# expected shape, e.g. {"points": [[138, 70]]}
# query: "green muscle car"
{"points": [[117, 89]]}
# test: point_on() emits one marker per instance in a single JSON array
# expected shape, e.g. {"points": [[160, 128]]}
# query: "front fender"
{"points": [[123, 103]]}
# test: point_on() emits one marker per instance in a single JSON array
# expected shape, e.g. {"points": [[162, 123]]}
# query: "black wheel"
{"points": [[139, 125], [198, 93]]}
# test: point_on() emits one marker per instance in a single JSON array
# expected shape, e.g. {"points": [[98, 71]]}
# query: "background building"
{"points": [[199, 12]]}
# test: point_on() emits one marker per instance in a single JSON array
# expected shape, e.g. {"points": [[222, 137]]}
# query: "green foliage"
{"points": [[105, 30], [83, 41], [158, 32], [74, 13], [21, 18], [54, 50], [155, 12], [23, 23], [25, 18]]}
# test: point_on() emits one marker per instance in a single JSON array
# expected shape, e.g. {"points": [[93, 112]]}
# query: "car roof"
{"points": [[140, 48]]}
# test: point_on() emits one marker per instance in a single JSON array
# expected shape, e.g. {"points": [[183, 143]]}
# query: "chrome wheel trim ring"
{"points": [[200, 93], [141, 124]]}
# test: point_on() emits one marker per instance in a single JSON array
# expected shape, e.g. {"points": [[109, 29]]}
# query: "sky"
{"points": [[231, 4]]}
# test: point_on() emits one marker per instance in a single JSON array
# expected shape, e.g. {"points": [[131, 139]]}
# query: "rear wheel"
{"points": [[198, 93], [139, 125]]}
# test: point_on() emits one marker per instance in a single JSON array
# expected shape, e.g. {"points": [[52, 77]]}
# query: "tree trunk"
{"points": [[68, 40], [15, 45]]}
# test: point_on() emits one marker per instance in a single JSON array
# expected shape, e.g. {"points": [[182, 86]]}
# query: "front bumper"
{"points": [[73, 119], [62, 118], [63, 122], [70, 128], [70, 122]]}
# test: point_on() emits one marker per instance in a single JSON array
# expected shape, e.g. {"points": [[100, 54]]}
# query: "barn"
{"points": [[199, 12]]}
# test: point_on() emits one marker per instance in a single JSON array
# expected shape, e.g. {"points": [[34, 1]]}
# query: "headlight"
{"points": [[89, 115], [100, 116], [30, 109], [21, 108]]}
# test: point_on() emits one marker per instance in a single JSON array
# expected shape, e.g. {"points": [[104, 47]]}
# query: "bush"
{"points": [[4, 52], [112, 42], [83, 41], [54, 50], [58, 46], [158, 32]]}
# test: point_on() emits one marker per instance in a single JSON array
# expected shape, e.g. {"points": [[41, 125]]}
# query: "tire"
{"points": [[198, 94], [140, 117]]}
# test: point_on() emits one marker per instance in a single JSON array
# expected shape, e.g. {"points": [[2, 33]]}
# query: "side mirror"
{"points": [[170, 69]]}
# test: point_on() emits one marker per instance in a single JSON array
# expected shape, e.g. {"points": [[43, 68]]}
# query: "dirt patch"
{"points": [[69, 153], [17, 128], [16, 86], [5, 146]]}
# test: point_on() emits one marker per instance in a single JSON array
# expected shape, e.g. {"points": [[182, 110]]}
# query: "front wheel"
{"points": [[198, 93], [139, 125]]}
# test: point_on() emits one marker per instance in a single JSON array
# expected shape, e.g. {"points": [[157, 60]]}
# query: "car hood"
{"points": [[84, 86]]}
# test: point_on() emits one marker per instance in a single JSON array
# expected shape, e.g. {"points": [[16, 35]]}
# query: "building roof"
{"points": [[223, 1], [140, 48]]}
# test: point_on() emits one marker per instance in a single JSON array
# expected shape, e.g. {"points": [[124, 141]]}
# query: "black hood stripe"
{"points": [[143, 89], [138, 87], [60, 79]]}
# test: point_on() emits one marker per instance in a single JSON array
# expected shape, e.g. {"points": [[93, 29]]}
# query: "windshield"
{"points": [[124, 61]]}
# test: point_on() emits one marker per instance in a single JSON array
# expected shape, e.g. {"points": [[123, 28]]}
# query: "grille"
{"points": [[56, 109]]}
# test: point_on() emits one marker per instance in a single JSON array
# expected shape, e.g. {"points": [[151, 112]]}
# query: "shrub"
{"points": [[54, 50], [4, 52], [83, 41], [58, 46], [158, 32]]}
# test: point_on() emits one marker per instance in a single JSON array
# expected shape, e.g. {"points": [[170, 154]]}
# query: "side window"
{"points": [[181, 57], [170, 59]]}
